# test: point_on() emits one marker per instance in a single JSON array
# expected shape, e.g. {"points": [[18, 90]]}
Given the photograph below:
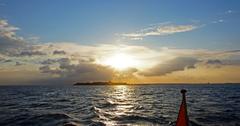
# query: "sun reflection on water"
{"points": [[123, 96], [121, 103], [121, 92]]}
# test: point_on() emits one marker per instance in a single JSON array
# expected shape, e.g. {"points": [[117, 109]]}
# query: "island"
{"points": [[101, 83]]}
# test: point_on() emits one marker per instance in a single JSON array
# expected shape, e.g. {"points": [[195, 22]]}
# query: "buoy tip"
{"points": [[183, 91]]}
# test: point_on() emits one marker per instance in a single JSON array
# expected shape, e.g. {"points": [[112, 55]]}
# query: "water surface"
{"points": [[210, 105]]}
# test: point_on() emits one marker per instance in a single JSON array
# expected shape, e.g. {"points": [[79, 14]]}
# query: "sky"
{"points": [[147, 41]]}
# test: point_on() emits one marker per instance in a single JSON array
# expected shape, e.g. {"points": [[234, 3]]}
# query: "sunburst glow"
{"points": [[121, 61]]}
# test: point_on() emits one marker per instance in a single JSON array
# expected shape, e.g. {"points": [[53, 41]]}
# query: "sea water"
{"points": [[208, 105]]}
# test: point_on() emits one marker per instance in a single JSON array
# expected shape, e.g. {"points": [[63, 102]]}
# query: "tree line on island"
{"points": [[101, 83]]}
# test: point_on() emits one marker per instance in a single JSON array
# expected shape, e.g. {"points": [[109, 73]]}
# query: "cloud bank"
{"points": [[22, 62], [176, 64]]}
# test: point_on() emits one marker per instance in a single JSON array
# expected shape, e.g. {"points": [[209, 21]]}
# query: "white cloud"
{"points": [[7, 30], [218, 21], [67, 62], [229, 12], [158, 30], [84, 63], [9, 41]]}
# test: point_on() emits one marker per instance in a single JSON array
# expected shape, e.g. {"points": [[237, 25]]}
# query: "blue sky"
{"points": [[137, 41], [94, 21]]}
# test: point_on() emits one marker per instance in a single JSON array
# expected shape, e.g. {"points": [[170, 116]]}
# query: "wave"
{"points": [[51, 119], [157, 120], [97, 106]]}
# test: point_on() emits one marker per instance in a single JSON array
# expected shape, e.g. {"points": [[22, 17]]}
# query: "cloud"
{"points": [[7, 30], [229, 12], [219, 63], [213, 61], [79, 72], [158, 30], [185, 59], [231, 51], [1, 58], [31, 53], [47, 69], [177, 64], [59, 52], [9, 41], [68, 62], [18, 64], [10, 44], [8, 60], [48, 61], [129, 75], [223, 17], [218, 21], [85, 63]]}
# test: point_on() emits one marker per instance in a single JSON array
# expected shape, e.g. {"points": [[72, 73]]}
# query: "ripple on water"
{"points": [[118, 105], [51, 119]]}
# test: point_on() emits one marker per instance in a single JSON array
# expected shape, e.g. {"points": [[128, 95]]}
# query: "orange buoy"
{"points": [[182, 119]]}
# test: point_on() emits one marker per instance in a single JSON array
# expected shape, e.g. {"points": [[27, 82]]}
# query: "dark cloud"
{"points": [[2, 58], [64, 62], [8, 37], [49, 61], [31, 53], [18, 64], [232, 51], [128, 74], [14, 45], [214, 62], [78, 72], [10, 47], [10, 43], [88, 60], [232, 62], [7, 61], [59, 52], [47, 69], [177, 64]]}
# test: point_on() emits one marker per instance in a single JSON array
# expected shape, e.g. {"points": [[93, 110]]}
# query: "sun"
{"points": [[121, 61]]}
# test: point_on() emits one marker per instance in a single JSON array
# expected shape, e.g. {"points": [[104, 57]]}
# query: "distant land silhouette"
{"points": [[101, 83], [124, 83]]}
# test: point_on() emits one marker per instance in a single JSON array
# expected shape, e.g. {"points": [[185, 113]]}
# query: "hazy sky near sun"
{"points": [[60, 41]]}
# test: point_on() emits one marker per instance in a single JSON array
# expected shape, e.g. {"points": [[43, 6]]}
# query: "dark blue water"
{"points": [[209, 105]]}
